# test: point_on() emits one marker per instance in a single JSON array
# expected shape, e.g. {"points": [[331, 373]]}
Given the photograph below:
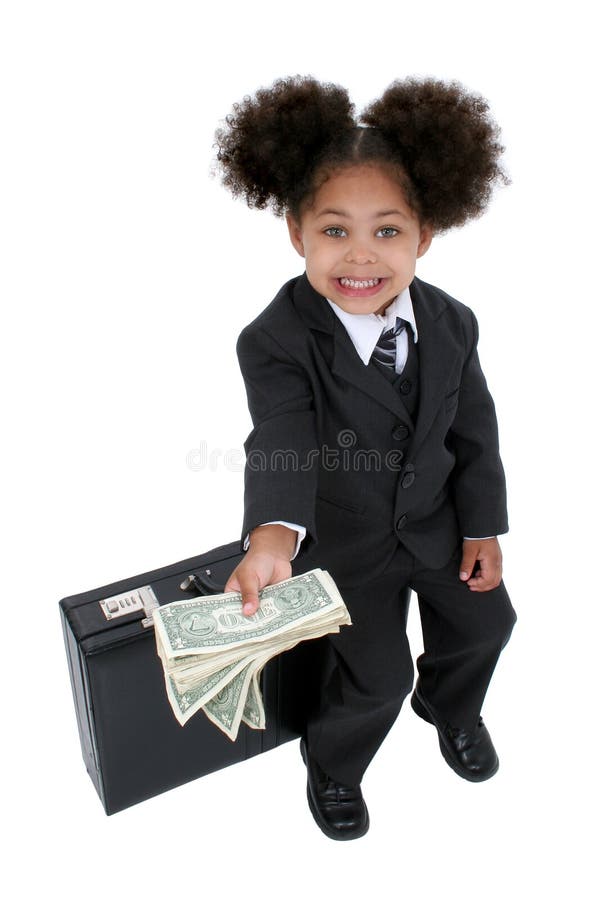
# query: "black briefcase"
{"points": [[132, 744]]}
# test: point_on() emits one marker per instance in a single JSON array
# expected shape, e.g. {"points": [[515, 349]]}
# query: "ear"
{"points": [[295, 233], [425, 240]]}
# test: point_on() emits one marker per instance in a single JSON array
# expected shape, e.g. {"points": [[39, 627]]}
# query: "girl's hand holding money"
{"points": [[267, 561]]}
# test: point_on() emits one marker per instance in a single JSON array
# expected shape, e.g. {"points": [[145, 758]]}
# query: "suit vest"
{"points": [[407, 385], [407, 382]]}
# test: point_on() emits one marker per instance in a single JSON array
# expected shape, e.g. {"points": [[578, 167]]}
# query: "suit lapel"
{"points": [[437, 355]]}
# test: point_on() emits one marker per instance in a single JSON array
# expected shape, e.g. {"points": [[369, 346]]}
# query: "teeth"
{"points": [[359, 285]]}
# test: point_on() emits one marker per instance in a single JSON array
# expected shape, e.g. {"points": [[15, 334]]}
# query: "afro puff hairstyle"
{"points": [[438, 140]]}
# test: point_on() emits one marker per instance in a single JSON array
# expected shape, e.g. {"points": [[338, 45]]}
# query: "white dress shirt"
{"points": [[365, 330]]}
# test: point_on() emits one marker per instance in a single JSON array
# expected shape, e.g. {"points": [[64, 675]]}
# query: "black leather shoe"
{"points": [[338, 809], [470, 753]]}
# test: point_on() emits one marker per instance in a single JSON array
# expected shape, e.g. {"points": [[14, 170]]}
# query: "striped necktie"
{"points": [[385, 349]]}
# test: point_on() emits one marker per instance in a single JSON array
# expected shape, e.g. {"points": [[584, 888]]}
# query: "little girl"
{"points": [[374, 452]]}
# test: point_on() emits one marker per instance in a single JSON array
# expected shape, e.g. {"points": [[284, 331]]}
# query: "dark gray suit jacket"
{"points": [[329, 451]]}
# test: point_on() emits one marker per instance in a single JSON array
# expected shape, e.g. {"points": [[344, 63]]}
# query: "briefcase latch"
{"points": [[141, 599]]}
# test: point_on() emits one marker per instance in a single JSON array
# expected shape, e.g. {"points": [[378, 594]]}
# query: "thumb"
{"points": [[249, 586], [232, 584], [469, 557]]}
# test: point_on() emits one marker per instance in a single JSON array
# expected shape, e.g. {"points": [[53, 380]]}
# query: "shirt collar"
{"points": [[365, 329]]}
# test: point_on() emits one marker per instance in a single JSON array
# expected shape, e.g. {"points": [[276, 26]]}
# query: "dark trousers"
{"points": [[368, 670]]}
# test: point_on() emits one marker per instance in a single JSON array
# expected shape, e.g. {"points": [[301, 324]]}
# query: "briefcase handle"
{"points": [[203, 582]]}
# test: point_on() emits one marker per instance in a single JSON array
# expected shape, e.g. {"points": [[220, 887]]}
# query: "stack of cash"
{"points": [[212, 654]]}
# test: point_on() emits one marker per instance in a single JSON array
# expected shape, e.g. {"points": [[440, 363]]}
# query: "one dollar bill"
{"points": [[212, 654]]}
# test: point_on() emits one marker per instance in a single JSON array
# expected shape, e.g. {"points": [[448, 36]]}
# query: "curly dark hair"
{"points": [[434, 137]]}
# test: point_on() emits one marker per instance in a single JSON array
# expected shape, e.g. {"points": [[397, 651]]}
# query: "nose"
{"points": [[360, 252]]}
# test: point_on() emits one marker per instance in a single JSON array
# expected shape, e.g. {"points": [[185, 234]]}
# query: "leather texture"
{"points": [[470, 754], [132, 745], [338, 809]]}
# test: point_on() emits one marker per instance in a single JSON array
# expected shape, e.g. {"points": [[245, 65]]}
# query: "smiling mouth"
{"points": [[358, 284]]}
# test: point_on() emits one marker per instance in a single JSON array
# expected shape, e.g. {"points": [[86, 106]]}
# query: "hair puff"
{"points": [[435, 138], [271, 142], [447, 142]]}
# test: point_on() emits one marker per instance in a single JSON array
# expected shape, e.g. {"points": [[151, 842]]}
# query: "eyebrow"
{"points": [[377, 215]]}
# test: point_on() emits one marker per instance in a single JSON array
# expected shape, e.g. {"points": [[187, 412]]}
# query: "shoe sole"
{"points": [[422, 711], [334, 835]]}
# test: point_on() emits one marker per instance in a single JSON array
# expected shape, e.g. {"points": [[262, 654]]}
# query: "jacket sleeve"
{"points": [[282, 454], [477, 481]]}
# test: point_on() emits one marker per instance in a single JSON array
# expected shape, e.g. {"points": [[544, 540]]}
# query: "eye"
{"points": [[333, 228], [389, 228]]}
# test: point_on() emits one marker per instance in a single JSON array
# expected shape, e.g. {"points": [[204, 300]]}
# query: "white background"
{"points": [[127, 273]]}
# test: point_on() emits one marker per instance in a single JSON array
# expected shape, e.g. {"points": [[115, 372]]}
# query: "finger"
{"points": [[249, 585], [469, 558], [481, 586], [479, 583], [488, 576]]}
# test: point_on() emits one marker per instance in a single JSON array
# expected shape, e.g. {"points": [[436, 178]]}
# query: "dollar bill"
{"points": [[213, 655], [203, 624]]}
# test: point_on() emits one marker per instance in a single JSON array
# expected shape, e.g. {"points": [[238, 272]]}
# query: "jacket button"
{"points": [[407, 479], [406, 386], [400, 432], [401, 522]]}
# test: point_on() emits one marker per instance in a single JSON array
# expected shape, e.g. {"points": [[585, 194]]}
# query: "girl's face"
{"points": [[360, 239]]}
